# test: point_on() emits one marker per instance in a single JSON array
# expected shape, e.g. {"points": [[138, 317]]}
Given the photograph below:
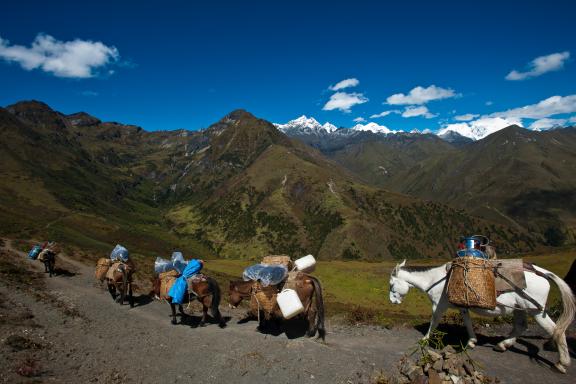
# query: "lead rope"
{"points": [[257, 302]]}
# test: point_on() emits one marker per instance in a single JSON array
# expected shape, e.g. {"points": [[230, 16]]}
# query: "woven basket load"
{"points": [[471, 283], [265, 299], [167, 280], [102, 267], [278, 259]]}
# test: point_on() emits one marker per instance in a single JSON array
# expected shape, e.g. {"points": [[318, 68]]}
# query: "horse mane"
{"points": [[418, 268]]}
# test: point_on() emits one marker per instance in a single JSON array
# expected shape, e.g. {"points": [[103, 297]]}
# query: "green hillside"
{"points": [[239, 189]]}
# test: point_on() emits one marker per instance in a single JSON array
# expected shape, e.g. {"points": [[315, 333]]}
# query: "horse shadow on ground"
{"points": [[456, 335], [293, 328], [193, 321], [58, 271], [141, 300]]}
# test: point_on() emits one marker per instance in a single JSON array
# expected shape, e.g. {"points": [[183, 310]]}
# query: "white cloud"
{"points": [[480, 128], [417, 111], [541, 65], [373, 127], [572, 119], [548, 107], [466, 117], [383, 114], [344, 101], [72, 59], [347, 83], [420, 95], [546, 123], [89, 93], [359, 120], [489, 102]]}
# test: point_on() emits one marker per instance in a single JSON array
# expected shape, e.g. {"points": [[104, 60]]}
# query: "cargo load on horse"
{"points": [[276, 292], [471, 280], [118, 271]]}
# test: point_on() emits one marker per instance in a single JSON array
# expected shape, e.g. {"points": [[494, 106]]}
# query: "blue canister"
{"points": [[470, 242]]}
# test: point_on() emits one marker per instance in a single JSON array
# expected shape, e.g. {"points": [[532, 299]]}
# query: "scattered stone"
{"points": [[434, 356], [434, 377]]}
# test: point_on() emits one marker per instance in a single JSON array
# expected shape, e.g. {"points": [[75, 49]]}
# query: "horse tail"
{"points": [[319, 307], [567, 315], [155, 292], [216, 297]]}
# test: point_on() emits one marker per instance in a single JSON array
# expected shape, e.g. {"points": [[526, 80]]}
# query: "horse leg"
{"points": [[51, 264], [544, 320], [173, 308], [181, 310], [437, 312], [520, 325], [112, 290], [472, 339], [204, 314], [130, 296]]}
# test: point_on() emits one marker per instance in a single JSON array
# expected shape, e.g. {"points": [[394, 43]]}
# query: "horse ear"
{"points": [[402, 263]]}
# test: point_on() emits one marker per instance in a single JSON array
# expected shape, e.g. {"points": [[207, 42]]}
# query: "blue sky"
{"points": [[174, 64]]}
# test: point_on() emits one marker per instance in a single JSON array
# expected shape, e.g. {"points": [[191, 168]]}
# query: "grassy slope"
{"points": [[359, 284]]}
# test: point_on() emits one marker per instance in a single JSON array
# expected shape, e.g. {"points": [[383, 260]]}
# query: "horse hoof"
{"points": [[500, 347], [472, 343], [560, 367], [174, 322]]}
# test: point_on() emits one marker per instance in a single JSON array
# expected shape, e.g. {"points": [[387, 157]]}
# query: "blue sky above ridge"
{"points": [[173, 64]]}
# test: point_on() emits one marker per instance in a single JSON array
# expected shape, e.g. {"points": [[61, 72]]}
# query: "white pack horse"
{"points": [[431, 280]]}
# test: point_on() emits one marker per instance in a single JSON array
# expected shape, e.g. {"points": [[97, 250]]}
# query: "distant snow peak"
{"points": [[373, 127], [306, 124], [480, 128]]}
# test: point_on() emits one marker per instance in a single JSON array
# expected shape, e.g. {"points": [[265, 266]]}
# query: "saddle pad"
{"points": [[195, 279], [513, 270], [111, 270]]}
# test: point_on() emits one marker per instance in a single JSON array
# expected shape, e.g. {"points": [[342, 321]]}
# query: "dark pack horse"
{"points": [[48, 257], [206, 290], [309, 291]]}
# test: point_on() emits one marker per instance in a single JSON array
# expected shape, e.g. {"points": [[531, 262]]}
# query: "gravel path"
{"points": [[73, 332]]}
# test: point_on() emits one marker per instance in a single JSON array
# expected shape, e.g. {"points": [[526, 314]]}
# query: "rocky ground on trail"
{"points": [[67, 329]]}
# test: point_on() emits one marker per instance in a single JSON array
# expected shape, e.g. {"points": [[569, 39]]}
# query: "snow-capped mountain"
{"points": [[305, 126], [373, 127], [478, 129]]}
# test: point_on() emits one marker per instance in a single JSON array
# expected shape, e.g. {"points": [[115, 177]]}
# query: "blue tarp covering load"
{"points": [[266, 274], [119, 253], [34, 252], [178, 290]]}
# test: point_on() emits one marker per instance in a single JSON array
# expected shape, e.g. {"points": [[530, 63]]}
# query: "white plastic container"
{"points": [[289, 303], [306, 263]]}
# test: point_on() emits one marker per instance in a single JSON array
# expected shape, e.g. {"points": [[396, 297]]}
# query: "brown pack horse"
{"points": [[310, 292], [206, 292], [121, 283]]}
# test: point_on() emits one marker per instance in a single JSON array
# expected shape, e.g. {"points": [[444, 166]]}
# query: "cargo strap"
{"points": [[520, 292], [436, 283]]}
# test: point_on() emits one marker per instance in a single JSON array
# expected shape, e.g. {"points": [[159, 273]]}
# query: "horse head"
{"points": [[236, 292], [398, 286]]}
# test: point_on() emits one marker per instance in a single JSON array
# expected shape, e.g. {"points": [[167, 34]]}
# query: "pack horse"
{"points": [[530, 301]]}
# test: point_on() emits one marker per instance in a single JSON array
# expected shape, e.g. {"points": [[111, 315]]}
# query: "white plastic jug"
{"points": [[306, 263], [289, 303]]}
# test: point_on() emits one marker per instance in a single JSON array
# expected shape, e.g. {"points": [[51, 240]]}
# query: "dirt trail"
{"points": [[109, 343]]}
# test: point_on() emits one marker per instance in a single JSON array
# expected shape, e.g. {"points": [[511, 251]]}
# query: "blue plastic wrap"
{"points": [[34, 252], [178, 261], [472, 253], [119, 253], [266, 274], [162, 265]]}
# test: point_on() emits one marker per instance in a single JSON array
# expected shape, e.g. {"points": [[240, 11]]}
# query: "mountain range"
{"points": [[243, 187]]}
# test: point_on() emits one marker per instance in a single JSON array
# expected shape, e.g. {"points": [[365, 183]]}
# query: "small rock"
{"points": [[434, 355], [448, 350], [455, 379], [437, 366], [420, 379], [427, 366], [434, 377], [415, 372], [469, 368]]}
